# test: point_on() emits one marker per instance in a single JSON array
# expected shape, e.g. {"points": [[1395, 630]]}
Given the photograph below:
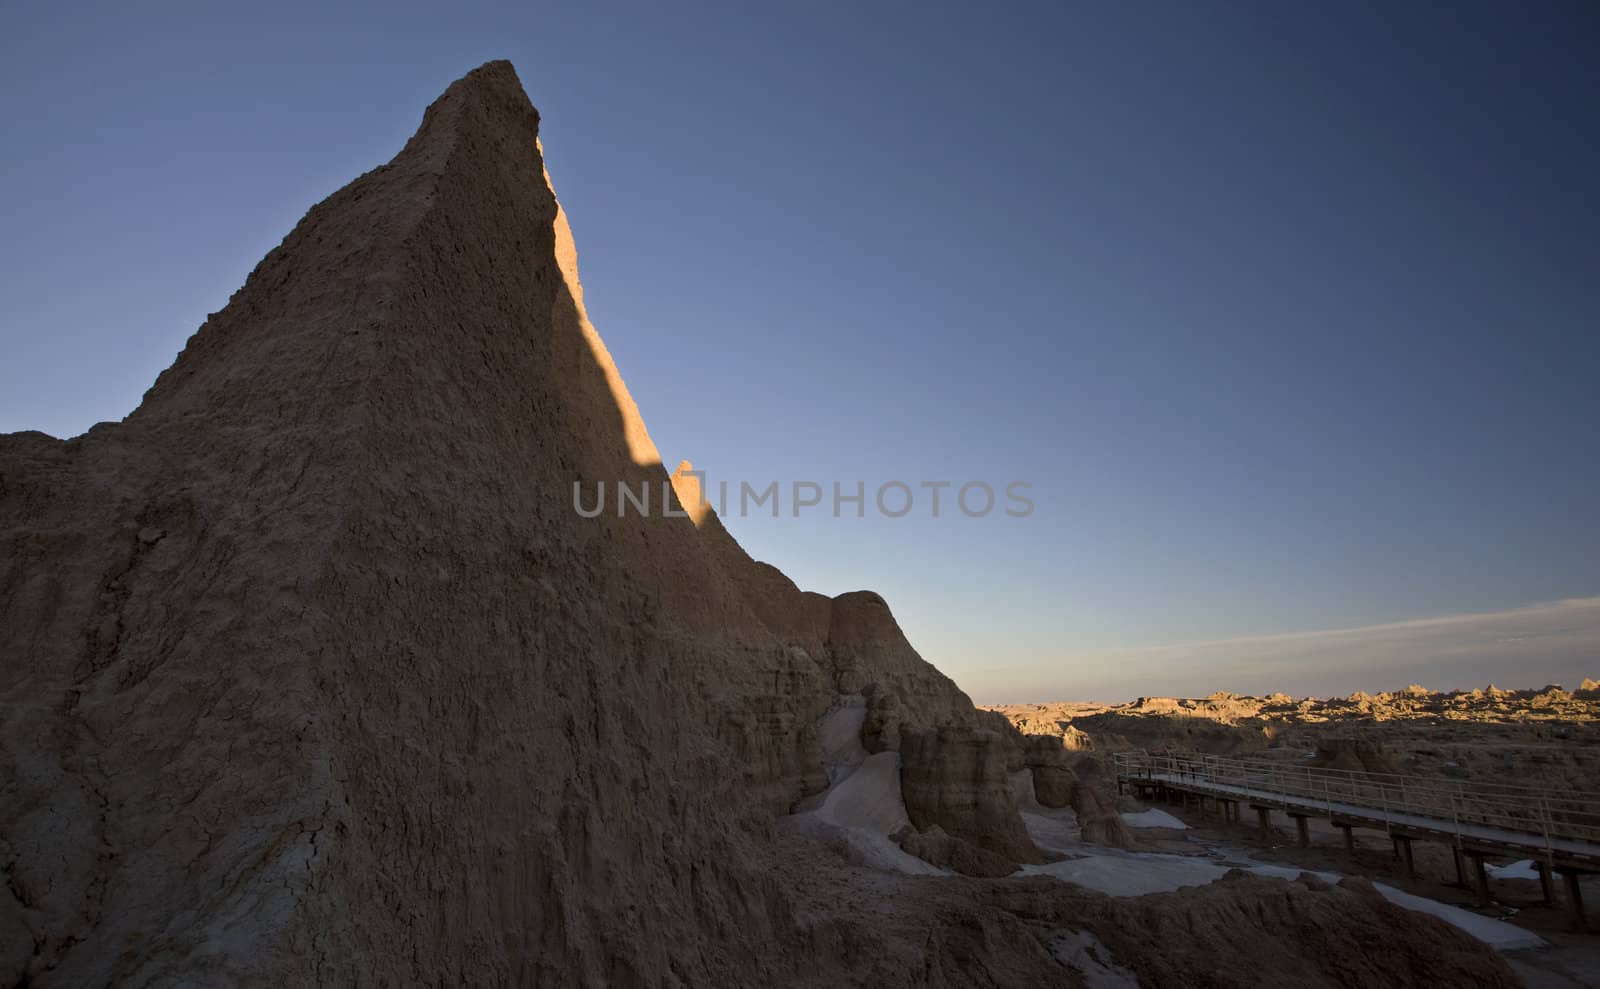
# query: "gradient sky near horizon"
{"points": [[1290, 316]]}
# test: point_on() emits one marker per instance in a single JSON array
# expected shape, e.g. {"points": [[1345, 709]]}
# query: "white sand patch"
{"points": [[1136, 873], [1084, 953], [860, 846], [1496, 933], [867, 796], [1054, 830], [863, 806], [1154, 818], [839, 736], [1516, 870], [1131, 873]]}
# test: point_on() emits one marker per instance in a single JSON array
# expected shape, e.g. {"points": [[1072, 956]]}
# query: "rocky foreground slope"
{"points": [[313, 675]]}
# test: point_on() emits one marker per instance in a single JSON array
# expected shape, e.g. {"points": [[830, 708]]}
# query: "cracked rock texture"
{"points": [[313, 674], [957, 779]]}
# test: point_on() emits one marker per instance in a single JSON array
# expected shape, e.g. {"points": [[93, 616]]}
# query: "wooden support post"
{"points": [[1349, 838], [1461, 868], [1402, 848], [1547, 885], [1302, 827], [1264, 815], [1480, 878], [1575, 901]]}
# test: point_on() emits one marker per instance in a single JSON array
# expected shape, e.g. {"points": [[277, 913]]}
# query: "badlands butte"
{"points": [[312, 676]]}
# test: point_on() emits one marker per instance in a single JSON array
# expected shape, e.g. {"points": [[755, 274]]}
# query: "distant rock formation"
{"points": [[314, 674], [1488, 735]]}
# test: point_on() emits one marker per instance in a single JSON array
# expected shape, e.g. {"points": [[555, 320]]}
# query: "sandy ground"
{"points": [[862, 805]]}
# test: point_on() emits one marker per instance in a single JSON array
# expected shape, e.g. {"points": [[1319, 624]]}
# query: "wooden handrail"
{"points": [[1543, 814]]}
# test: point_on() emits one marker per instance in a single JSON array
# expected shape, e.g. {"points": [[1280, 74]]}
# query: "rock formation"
{"points": [[957, 779], [314, 674], [1541, 736]]}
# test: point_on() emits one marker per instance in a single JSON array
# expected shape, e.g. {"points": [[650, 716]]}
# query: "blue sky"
{"points": [[1291, 317]]}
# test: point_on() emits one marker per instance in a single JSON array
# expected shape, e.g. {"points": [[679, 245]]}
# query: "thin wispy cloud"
{"points": [[1556, 641]]}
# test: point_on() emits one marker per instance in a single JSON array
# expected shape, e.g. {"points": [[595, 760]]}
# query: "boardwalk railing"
{"points": [[1451, 806]]}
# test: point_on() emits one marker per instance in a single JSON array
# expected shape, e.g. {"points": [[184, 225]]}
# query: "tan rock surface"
{"points": [[936, 846], [957, 779]]}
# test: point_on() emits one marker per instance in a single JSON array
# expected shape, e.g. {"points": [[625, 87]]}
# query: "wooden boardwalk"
{"points": [[1558, 830]]}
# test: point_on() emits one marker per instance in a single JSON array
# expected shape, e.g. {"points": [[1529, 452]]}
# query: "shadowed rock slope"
{"points": [[313, 674]]}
